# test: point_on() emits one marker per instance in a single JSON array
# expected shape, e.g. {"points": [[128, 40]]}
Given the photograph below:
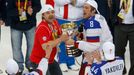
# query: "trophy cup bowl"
{"points": [[70, 29]]}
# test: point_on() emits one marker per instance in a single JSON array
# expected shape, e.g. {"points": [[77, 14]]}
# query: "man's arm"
{"points": [[87, 46], [51, 44], [106, 33]]}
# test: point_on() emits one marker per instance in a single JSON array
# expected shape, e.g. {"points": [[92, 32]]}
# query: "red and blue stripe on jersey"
{"points": [[92, 28]]}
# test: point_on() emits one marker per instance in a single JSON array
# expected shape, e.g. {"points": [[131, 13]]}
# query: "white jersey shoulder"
{"points": [[108, 68], [99, 17]]}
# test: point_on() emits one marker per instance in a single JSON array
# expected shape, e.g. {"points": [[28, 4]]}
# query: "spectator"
{"points": [[47, 37], [70, 11], [23, 20], [124, 29]]}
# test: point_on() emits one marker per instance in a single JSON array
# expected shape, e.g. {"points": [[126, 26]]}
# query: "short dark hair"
{"points": [[93, 9]]}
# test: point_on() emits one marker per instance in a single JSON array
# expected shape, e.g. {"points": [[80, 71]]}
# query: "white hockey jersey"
{"points": [[65, 10], [96, 32], [114, 67]]}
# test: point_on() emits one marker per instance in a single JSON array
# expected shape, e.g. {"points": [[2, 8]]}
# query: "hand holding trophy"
{"points": [[70, 29]]}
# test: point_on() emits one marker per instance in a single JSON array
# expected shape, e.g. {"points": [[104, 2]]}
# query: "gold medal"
{"points": [[54, 34], [54, 31]]}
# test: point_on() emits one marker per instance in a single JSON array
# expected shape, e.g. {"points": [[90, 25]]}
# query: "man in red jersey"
{"points": [[47, 37]]}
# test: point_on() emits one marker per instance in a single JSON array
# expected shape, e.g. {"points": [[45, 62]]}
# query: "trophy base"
{"points": [[72, 51]]}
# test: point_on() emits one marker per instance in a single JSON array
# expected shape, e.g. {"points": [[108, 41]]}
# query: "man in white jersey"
{"points": [[110, 65], [95, 30]]}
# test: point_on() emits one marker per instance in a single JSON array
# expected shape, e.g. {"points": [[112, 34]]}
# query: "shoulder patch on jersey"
{"points": [[44, 38]]}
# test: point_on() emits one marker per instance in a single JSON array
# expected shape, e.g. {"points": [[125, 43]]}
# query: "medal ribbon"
{"points": [[54, 32], [19, 5]]}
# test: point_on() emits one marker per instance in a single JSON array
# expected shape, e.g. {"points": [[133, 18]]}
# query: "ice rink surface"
{"points": [[6, 50]]}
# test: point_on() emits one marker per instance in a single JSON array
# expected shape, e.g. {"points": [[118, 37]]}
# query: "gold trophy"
{"points": [[70, 29]]}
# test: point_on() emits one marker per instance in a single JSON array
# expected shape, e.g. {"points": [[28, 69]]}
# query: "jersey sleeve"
{"points": [[106, 33], [43, 34], [92, 32], [43, 65], [62, 2], [87, 46]]}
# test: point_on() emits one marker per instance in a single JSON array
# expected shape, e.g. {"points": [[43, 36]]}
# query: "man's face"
{"points": [[87, 11], [49, 16]]}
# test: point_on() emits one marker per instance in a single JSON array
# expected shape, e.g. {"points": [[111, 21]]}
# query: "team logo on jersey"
{"points": [[44, 38]]}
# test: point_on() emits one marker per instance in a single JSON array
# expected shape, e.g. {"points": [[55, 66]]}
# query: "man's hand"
{"points": [[88, 57], [73, 2], [96, 54], [1, 22], [64, 37], [48, 48], [43, 66], [70, 42], [30, 10]]}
